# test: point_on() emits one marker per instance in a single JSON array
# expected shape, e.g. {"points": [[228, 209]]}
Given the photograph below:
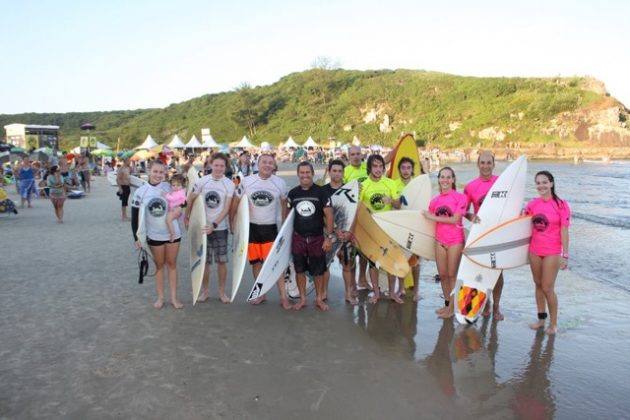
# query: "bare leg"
{"points": [[124, 213], [319, 292], [496, 298], [441, 260], [550, 267], [454, 256], [205, 284], [222, 274], [171, 261], [171, 216], [159, 255], [415, 272], [374, 279], [392, 289], [362, 278], [535, 263], [325, 280], [300, 278], [348, 274]]}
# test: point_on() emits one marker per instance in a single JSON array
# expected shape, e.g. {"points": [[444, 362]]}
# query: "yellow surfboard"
{"points": [[377, 246], [406, 147]]}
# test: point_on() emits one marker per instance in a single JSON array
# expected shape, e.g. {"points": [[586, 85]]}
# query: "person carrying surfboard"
{"points": [[476, 191], [379, 193], [312, 233], [447, 210], [549, 247], [164, 251], [217, 192], [267, 195]]}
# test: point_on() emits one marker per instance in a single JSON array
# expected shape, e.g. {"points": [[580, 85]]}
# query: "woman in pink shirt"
{"points": [[549, 247], [447, 210]]}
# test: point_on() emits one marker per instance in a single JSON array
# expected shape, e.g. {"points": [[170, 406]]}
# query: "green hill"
{"points": [[376, 106]]}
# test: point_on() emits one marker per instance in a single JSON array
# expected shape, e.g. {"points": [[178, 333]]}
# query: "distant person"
{"points": [[27, 187], [176, 201], [476, 191], [123, 179], [216, 191], [549, 247], [83, 167], [164, 251], [312, 234], [57, 191], [447, 210]]}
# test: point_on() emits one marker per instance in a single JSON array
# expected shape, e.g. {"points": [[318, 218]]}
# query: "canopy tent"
{"points": [[310, 142], [266, 146], [208, 141], [177, 143], [244, 143], [290, 144], [102, 146], [193, 143], [356, 141], [148, 144]]}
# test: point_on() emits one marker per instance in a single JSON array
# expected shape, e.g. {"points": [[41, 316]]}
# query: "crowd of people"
{"points": [[315, 233]]}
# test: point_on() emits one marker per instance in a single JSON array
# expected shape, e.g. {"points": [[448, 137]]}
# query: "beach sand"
{"points": [[79, 339]]}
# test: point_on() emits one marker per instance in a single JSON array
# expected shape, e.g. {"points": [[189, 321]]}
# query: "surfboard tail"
{"points": [[470, 303]]}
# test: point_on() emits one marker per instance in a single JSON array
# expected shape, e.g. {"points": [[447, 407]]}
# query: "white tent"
{"points": [[356, 141], [244, 143], [310, 142], [102, 146], [266, 146], [290, 143], [148, 144], [208, 141], [177, 143], [193, 143]]}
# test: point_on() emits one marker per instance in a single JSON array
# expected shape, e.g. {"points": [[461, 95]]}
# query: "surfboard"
{"points": [[504, 247], [240, 241], [192, 175], [503, 202], [135, 182], [406, 147], [198, 239], [141, 233], [111, 178], [277, 261], [377, 246], [409, 229]]}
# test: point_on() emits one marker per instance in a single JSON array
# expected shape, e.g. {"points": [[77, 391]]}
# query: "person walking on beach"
{"points": [[447, 210], [83, 167], [26, 185], [164, 251], [549, 247], [267, 196], [476, 191], [312, 233], [123, 181], [379, 193], [217, 192], [57, 191]]}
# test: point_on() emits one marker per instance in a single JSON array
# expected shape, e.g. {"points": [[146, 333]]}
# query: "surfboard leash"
{"points": [[143, 265]]}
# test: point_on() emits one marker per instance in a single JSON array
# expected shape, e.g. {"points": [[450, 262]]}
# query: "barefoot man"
{"points": [[124, 188], [476, 191], [312, 233], [267, 195]]}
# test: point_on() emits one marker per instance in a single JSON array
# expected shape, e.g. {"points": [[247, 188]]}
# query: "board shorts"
{"points": [[308, 254], [26, 188], [153, 242], [347, 255], [217, 247], [261, 239], [124, 195]]}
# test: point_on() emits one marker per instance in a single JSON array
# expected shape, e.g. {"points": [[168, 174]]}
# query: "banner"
{"points": [[84, 141], [32, 141], [92, 141]]}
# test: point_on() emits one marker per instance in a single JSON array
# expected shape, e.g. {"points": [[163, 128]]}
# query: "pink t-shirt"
{"points": [[477, 189], [448, 205], [176, 198], [548, 218]]}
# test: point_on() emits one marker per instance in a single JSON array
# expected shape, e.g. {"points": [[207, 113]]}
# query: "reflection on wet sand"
{"points": [[463, 362]]}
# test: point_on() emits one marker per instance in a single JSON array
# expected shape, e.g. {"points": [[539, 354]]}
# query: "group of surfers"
{"points": [[314, 232]]}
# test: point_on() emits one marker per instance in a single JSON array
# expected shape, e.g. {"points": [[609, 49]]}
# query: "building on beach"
{"points": [[31, 136]]}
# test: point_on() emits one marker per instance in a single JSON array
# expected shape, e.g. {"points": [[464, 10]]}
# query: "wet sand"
{"points": [[79, 339]]}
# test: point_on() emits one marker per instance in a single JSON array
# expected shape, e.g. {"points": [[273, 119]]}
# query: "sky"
{"points": [[67, 56]]}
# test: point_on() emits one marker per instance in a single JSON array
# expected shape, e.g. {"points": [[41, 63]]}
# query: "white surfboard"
{"points": [[198, 239], [141, 233], [503, 202], [240, 241], [504, 247], [111, 178], [277, 261], [417, 194], [135, 181], [409, 229], [192, 176]]}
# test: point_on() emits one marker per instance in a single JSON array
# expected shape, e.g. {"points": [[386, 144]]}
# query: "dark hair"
{"points": [[304, 163], [179, 178], [452, 172], [336, 162], [221, 156], [408, 160], [551, 179], [53, 169], [371, 160]]}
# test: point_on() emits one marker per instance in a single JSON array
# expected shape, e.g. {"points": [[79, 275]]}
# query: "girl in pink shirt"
{"points": [[447, 209], [549, 247]]}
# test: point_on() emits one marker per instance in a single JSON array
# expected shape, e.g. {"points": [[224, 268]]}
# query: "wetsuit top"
{"points": [[477, 189], [447, 205], [548, 218]]}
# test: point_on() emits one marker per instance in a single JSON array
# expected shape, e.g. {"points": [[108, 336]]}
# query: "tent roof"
{"points": [[148, 143], [193, 142], [310, 142], [176, 143], [290, 143], [244, 143], [208, 141]]}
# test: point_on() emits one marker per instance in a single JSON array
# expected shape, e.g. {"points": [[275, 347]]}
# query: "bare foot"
{"points": [[203, 296], [394, 297], [321, 305], [536, 325], [441, 310], [301, 304], [352, 300], [355, 292], [224, 299], [364, 286], [177, 304], [158, 304], [446, 315], [417, 297], [401, 292], [551, 330], [486, 312], [286, 305], [498, 315], [259, 300], [373, 298]]}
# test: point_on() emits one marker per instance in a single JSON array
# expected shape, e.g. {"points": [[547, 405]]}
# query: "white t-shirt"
{"points": [[155, 207], [215, 193], [264, 197]]}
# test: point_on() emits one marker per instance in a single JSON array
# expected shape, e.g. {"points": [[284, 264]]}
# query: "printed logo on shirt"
{"points": [[540, 222], [443, 211], [305, 208], [262, 198], [157, 207], [213, 200], [376, 201]]}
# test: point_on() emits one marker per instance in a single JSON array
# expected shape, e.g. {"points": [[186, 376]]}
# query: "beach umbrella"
{"points": [[40, 156], [143, 155], [4, 147], [46, 150], [5, 157], [104, 152], [18, 150], [161, 149]]}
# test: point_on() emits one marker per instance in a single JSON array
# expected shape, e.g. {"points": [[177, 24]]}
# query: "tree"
{"points": [[247, 113]]}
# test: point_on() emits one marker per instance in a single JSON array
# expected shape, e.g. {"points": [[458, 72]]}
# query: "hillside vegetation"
{"points": [[375, 106]]}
